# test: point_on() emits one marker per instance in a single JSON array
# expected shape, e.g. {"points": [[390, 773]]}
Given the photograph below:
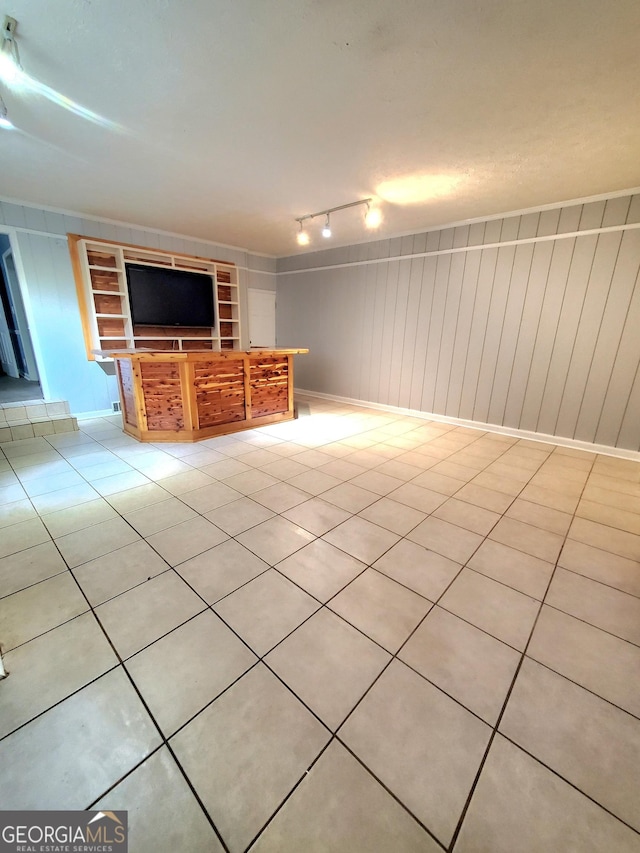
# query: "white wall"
{"points": [[42, 256], [530, 322]]}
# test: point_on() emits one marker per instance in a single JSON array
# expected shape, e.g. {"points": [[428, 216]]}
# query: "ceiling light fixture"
{"points": [[372, 217], [302, 236], [5, 121], [10, 67]]}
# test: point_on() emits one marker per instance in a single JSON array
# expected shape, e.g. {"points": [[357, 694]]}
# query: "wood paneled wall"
{"points": [[530, 322]]}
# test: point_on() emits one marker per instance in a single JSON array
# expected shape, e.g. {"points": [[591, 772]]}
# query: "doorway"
{"points": [[19, 378]]}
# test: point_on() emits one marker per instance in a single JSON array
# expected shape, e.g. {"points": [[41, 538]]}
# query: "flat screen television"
{"points": [[169, 297]]}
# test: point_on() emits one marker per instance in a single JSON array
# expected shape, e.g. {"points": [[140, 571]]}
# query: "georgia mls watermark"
{"points": [[63, 832]]}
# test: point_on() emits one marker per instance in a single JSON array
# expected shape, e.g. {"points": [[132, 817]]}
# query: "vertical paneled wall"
{"points": [[493, 322], [50, 294]]}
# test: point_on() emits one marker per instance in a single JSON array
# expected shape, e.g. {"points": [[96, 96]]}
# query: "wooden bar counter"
{"points": [[196, 394]]}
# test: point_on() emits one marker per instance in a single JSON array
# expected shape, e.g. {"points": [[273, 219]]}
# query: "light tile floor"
{"points": [[353, 632]]}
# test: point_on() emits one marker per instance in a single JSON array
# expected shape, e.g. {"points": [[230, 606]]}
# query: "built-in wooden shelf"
{"points": [[101, 281]]}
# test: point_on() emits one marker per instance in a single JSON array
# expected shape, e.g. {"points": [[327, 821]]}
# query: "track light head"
{"points": [[302, 237], [326, 231], [372, 217], [5, 121]]}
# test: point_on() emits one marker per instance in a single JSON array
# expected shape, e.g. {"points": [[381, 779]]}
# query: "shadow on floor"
{"points": [[16, 390]]}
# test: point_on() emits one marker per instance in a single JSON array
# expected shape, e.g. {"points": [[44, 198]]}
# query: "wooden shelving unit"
{"points": [[100, 272]]}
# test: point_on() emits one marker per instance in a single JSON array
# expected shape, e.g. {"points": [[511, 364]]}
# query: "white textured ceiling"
{"points": [[235, 116]]}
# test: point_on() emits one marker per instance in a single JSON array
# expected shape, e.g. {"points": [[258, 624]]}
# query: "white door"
{"points": [[262, 318]]}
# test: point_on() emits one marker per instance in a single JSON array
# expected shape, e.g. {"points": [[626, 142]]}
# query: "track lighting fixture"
{"points": [[10, 66], [372, 219], [5, 121]]}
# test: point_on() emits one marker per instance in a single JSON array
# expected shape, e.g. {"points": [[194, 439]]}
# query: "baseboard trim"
{"points": [[100, 413], [575, 444]]}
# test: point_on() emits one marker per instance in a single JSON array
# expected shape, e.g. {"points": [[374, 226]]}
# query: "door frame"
{"points": [[12, 233]]}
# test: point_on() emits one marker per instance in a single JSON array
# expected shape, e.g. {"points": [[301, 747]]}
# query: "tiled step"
{"points": [[33, 418]]}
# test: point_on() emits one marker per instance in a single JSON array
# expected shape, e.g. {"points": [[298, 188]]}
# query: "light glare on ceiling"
{"points": [[417, 189]]}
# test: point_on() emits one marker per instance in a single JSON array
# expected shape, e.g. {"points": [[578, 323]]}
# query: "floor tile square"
{"points": [[119, 482], [608, 538], [514, 568], [186, 669], [251, 481], [362, 539], [380, 608], [39, 608], [317, 516], [483, 497], [261, 740], [106, 536], [15, 512], [314, 482], [284, 469], [138, 497], [439, 482], [37, 681], [23, 535], [265, 610], [498, 483], [424, 500], [206, 498], [280, 497], [339, 806], [524, 537], [275, 539], [160, 516], [393, 516], [225, 468], [466, 663], [66, 758], [146, 612], [546, 497], [349, 497], [187, 539], [497, 609], [540, 516], [589, 742], [24, 568], [328, 664], [424, 747], [152, 795], [592, 658], [599, 605], [185, 481], [118, 571], [221, 570], [447, 539], [78, 517], [520, 805], [423, 571], [610, 569], [468, 516], [342, 469], [321, 569], [239, 515]]}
